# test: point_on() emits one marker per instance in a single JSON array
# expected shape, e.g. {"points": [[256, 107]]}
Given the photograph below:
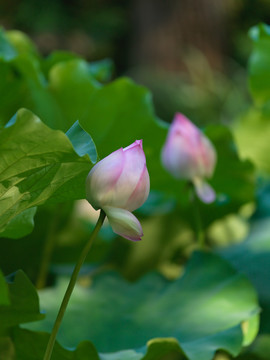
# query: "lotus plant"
{"points": [[189, 154], [117, 185]]}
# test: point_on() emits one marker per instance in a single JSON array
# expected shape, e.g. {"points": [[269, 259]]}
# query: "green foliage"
{"points": [[259, 73], [24, 302], [252, 130], [190, 308], [71, 85], [72, 93], [20, 225], [82, 142], [31, 346], [258, 351], [6, 49], [122, 107], [248, 258], [234, 178], [70, 117], [40, 165]]}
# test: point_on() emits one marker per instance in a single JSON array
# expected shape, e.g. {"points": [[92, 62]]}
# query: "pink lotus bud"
{"points": [[189, 154], [119, 184]]}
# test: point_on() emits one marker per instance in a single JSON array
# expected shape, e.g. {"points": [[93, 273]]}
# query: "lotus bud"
{"points": [[119, 184], [189, 154]]}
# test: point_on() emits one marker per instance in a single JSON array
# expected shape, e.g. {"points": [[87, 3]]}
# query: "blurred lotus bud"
{"points": [[119, 184], [189, 154]]}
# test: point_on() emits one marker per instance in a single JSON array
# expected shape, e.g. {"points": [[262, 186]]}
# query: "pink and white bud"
{"points": [[119, 184], [189, 154]]}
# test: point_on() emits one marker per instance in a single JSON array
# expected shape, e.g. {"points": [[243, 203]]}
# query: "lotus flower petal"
{"points": [[204, 191], [102, 178], [119, 184], [124, 223], [188, 153], [132, 187]]}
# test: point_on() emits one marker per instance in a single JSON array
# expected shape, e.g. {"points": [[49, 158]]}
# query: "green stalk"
{"points": [[198, 222], [48, 248], [71, 285]]}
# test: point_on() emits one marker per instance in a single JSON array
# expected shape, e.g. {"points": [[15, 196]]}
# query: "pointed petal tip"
{"points": [[179, 117], [204, 191], [210, 198], [138, 143], [134, 144], [124, 223]]}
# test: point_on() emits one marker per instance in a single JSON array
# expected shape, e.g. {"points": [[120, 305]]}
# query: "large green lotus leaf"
{"points": [[72, 85], [38, 165], [56, 57], [252, 132], [252, 257], [23, 85], [100, 70], [12, 91], [7, 51], [20, 225], [21, 43], [125, 109], [24, 302], [203, 310], [259, 72], [31, 345], [22, 81], [56, 89]]}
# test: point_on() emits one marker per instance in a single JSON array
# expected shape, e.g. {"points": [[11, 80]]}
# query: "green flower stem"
{"points": [[197, 217], [48, 248], [71, 285]]}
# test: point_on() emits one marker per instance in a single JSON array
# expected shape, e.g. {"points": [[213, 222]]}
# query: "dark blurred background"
{"points": [[191, 54]]}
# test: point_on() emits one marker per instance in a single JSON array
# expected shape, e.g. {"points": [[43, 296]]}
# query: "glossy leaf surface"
{"points": [[203, 310]]}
